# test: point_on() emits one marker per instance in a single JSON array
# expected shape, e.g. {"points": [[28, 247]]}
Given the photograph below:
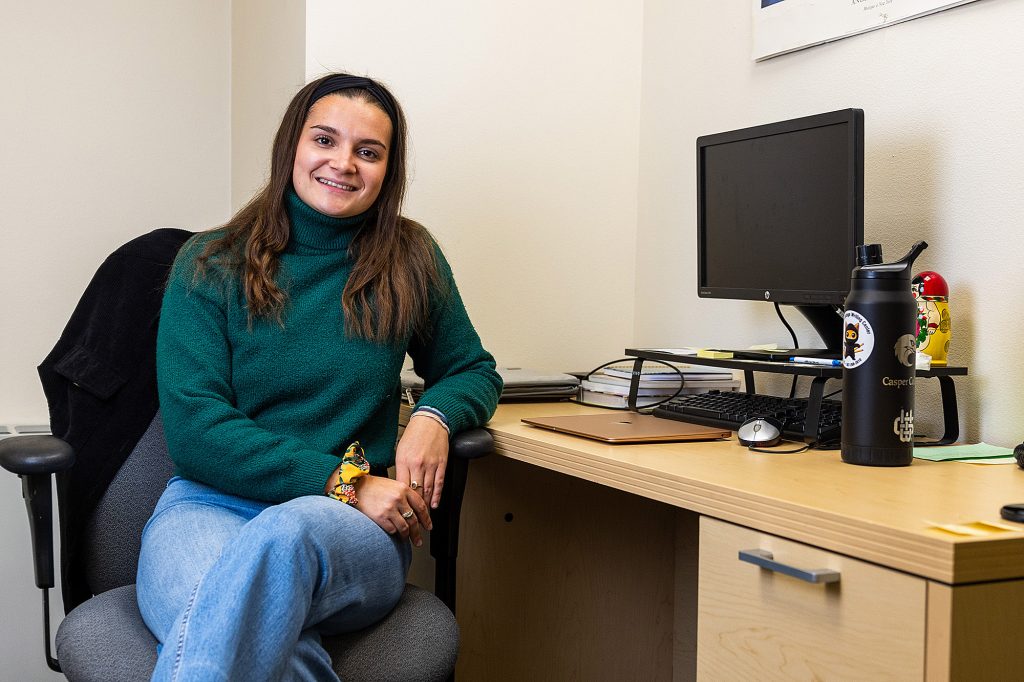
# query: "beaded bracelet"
{"points": [[353, 466]]}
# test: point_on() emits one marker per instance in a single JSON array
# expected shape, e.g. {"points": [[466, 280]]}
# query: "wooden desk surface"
{"points": [[881, 515]]}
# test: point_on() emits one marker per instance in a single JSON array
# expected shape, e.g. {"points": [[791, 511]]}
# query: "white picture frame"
{"points": [[782, 26]]}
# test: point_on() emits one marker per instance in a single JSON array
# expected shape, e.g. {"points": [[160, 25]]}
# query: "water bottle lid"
{"points": [[870, 265], [869, 254]]}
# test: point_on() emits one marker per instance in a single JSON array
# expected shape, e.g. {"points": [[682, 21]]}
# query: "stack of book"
{"points": [[610, 386]]}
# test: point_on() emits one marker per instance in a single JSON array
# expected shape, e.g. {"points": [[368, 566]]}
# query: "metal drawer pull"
{"points": [[764, 559]]}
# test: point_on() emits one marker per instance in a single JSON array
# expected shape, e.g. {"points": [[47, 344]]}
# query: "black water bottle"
{"points": [[879, 354]]}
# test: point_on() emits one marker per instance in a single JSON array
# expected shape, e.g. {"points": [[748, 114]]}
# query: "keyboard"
{"points": [[729, 409]]}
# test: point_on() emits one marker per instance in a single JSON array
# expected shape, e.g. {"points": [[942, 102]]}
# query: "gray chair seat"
{"points": [[429, 639], [105, 640]]}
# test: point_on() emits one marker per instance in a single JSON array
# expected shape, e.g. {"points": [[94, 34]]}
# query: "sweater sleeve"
{"points": [[208, 438], [459, 375]]}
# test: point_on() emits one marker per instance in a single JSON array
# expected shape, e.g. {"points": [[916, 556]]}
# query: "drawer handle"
{"points": [[765, 559]]}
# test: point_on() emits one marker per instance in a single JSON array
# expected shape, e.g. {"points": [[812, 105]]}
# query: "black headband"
{"points": [[345, 82]]}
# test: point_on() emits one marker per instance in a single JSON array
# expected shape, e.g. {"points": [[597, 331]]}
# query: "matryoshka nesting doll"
{"points": [[933, 323]]}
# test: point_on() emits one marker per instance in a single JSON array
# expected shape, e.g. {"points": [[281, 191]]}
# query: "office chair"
{"points": [[103, 637]]}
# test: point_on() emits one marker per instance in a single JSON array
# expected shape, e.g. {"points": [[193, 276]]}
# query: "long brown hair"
{"points": [[388, 292]]}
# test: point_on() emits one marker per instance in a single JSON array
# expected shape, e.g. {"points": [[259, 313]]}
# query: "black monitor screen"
{"points": [[781, 209]]}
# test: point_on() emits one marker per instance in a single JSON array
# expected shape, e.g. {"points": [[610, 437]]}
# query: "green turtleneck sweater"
{"points": [[265, 410]]}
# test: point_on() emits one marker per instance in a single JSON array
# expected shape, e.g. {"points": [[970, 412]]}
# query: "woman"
{"points": [[281, 339]]}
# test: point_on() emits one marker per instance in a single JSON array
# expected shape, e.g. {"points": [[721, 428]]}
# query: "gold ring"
{"points": [[414, 485], [407, 515]]}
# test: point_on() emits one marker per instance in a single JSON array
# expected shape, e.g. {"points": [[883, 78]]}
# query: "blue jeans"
{"points": [[235, 589]]}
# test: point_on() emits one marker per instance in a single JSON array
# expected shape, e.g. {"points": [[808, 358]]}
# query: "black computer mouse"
{"points": [[762, 432]]}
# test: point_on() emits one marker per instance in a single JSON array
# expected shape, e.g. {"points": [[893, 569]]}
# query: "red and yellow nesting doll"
{"points": [[933, 323]]}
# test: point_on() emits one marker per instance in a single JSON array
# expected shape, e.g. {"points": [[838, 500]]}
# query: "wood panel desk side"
{"points": [[881, 515]]}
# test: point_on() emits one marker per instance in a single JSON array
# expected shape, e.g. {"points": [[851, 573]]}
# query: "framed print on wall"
{"points": [[782, 26]]}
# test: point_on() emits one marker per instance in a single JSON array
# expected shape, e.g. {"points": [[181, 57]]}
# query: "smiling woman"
{"points": [[342, 155], [281, 340]]}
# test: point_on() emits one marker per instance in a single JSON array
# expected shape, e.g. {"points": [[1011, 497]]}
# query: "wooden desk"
{"points": [[561, 577]]}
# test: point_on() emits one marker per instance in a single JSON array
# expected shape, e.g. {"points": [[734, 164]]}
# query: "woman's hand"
{"points": [[421, 458], [389, 502]]}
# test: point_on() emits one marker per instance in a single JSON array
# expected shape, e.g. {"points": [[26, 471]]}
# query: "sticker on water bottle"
{"points": [[903, 426], [858, 339], [906, 350]]}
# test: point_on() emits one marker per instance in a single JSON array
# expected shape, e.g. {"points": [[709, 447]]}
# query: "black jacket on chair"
{"points": [[102, 369]]}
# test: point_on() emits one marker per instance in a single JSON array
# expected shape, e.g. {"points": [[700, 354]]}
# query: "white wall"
{"points": [[524, 129], [115, 122], [267, 69], [944, 162]]}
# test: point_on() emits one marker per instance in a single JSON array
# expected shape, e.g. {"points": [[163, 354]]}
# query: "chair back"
{"points": [[114, 532]]}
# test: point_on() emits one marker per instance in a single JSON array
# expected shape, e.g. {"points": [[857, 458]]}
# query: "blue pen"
{"points": [[817, 361]]}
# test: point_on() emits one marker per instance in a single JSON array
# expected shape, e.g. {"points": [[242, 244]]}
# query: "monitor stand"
{"points": [[783, 354]]}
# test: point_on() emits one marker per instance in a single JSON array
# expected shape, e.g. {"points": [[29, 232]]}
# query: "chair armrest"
{"points": [[34, 459], [471, 444], [28, 455]]}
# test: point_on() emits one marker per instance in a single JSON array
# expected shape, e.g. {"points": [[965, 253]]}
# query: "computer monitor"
{"points": [[780, 211]]}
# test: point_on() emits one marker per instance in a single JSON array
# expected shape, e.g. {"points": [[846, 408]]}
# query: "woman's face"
{"points": [[342, 156]]}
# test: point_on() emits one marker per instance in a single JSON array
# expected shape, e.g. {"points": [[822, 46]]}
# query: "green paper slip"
{"points": [[1008, 459], [949, 453]]}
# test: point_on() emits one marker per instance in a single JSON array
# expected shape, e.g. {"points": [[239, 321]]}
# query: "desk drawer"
{"points": [[761, 624]]}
